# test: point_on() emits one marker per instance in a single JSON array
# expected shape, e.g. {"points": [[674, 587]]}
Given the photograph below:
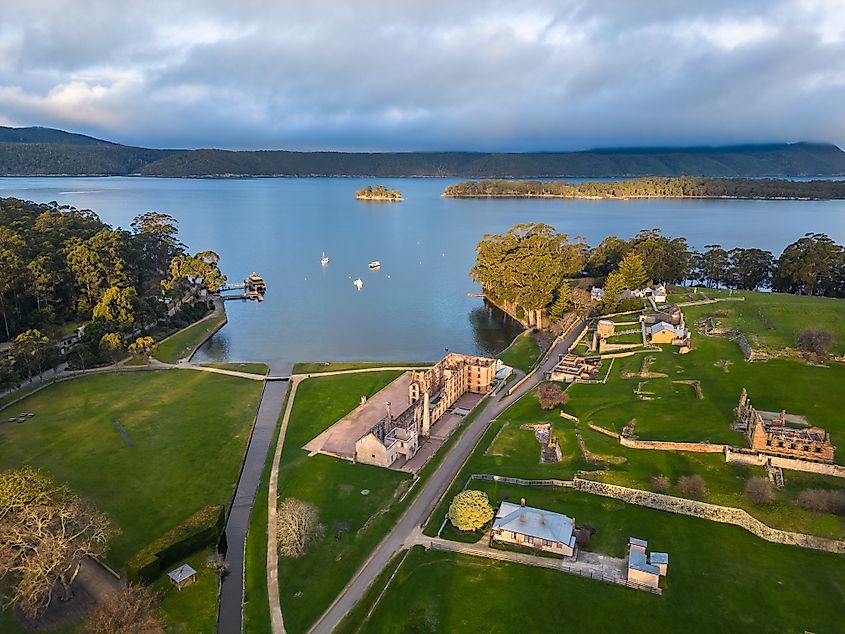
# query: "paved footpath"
{"points": [[427, 497]]}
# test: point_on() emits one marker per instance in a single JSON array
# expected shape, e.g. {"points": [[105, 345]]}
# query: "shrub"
{"points": [[815, 341], [758, 490], [132, 609], [822, 501], [692, 486], [660, 483], [470, 510], [297, 526], [551, 395]]}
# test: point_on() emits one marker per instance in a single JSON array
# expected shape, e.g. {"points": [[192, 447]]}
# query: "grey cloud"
{"points": [[427, 75]]}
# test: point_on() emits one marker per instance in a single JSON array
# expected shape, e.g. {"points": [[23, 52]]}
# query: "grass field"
{"points": [[315, 367], [772, 321], [522, 354], [184, 342], [189, 429], [194, 608], [712, 568], [334, 486]]}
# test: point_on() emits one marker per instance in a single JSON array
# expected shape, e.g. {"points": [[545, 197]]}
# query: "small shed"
{"points": [[183, 576]]}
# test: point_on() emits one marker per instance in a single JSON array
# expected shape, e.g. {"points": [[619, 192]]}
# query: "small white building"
{"points": [[597, 293]]}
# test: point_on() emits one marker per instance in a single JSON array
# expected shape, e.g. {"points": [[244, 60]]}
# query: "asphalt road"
{"points": [[430, 494]]}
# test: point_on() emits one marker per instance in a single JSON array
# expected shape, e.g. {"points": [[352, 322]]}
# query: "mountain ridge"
{"points": [[40, 151]]}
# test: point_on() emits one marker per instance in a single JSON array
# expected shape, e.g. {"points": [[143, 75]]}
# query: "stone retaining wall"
{"points": [[759, 459], [604, 431], [662, 445]]}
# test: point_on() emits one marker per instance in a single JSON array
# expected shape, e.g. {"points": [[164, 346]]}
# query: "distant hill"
{"points": [[45, 151]]}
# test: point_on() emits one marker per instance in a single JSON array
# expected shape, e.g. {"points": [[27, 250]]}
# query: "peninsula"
{"points": [[682, 187], [379, 192]]}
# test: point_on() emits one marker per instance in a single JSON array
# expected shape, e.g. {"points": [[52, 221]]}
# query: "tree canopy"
{"points": [[470, 510]]}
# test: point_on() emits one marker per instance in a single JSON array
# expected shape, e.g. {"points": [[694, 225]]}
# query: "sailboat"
{"points": [[325, 259]]}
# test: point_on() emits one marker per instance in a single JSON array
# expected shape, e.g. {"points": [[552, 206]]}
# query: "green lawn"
{"points": [[712, 568], [334, 486], [315, 367], [773, 320], [183, 343], [192, 610], [189, 429], [249, 368], [522, 354]]}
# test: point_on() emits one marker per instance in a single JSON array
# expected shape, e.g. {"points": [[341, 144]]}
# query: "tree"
{"points": [[815, 341], [195, 271], [606, 257], [714, 265], [692, 486], [632, 270], [11, 270], [470, 510], [45, 532], [551, 395], [134, 608], [758, 490], [142, 347], [563, 302], [614, 286], [822, 501], [750, 269], [111, 344], [29, 350], [660, 483], [117, 306], [582, 301], [664, 259], [809, 266], [297, 527]]}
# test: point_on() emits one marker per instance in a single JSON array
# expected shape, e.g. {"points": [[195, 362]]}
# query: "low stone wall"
{"points": [[759, 459], [683, 506], [712, 512], [604, 431], [662, 445]]}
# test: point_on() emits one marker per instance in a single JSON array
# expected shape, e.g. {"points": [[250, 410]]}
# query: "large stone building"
{"points": [[769, 433], [388, 429]]}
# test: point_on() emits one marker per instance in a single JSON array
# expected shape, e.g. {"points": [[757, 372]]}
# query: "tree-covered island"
{"points": [[378, 192], [682, 187]]}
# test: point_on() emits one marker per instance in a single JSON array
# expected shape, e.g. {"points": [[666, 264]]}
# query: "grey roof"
{"points": [[540, 523], [637, 561], [659, 558], [181, 573], [637, 542]]}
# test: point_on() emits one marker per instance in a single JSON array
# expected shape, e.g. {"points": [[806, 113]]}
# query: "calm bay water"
{"points": [[416, 305]]}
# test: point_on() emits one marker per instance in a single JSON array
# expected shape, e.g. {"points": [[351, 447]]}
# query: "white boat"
{"points": [[375, 264], [325, 260], [359, 283]]}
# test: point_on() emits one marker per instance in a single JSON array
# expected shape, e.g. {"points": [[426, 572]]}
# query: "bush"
{"points": [[660, 483], [470, 510], [198, 531], [551, 395], [758, 490], [815, 341], [822, 501], [132, 609], [692, 486]]}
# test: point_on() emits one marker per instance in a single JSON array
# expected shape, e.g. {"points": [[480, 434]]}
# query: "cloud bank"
{"points": [[403, 75]]}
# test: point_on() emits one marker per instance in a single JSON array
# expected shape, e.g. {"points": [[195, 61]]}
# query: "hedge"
{"points": [[202, 529]]}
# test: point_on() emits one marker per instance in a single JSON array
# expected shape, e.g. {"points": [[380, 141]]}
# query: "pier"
{"points": [[253, 288]]}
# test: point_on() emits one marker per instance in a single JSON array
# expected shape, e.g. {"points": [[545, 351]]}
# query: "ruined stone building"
{"points": [[388, 429], [574, 368], [778, 433]]}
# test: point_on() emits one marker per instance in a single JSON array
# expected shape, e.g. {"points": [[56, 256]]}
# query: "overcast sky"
{"points": [[426, 75]]}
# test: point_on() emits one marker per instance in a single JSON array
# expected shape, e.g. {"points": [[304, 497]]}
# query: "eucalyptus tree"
{"points": [[750, 269], [812, 265]]}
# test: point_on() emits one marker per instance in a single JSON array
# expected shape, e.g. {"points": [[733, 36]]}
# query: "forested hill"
{"points": [[654, 187], [36, 151]]}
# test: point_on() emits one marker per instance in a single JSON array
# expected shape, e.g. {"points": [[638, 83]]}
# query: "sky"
{"points": [[426, 75]]}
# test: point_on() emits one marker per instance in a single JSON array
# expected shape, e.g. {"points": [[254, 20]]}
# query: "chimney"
{"points": [[542, 519], [389, 417], [522, 518], [522, 501]]}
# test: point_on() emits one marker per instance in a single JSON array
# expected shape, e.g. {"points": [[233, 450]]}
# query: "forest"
{"points": [[529, 269], [682, 187], [62, 268]]}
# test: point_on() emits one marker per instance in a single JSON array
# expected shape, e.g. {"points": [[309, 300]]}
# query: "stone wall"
{"points": [[759, 459], [712, 512], [661, 445], [604, 431]]}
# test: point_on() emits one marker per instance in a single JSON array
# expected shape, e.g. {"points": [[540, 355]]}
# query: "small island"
{"points": [[680, 187], [378, 192]]}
